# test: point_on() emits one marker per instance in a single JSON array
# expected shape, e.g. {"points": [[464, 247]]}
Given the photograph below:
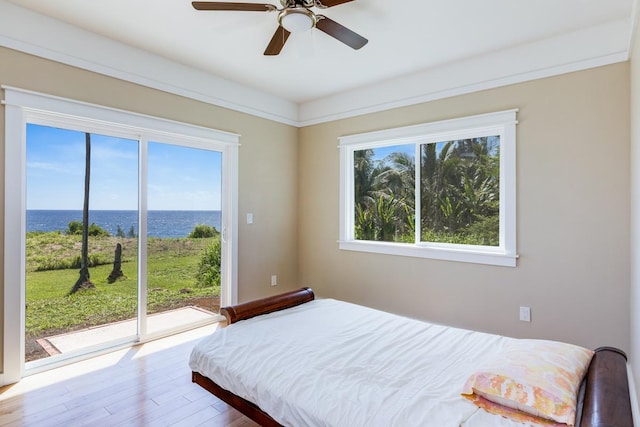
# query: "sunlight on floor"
{"points": [[53, 376]]}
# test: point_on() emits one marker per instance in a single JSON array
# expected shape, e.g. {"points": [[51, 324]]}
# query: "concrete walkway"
{"points": [[71, 341]]}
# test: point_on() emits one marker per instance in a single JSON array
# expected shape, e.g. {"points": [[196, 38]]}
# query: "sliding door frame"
{"points": [[22, 107]]}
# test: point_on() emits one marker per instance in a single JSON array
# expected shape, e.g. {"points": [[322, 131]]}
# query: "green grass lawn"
{"points": [[171, 281]]}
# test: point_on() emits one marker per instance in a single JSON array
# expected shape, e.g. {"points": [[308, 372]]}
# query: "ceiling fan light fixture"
{"points": [[297, 20]]}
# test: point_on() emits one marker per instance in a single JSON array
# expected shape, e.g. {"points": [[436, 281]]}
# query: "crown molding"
{"points": [[580, 50], [39, 35], [36, 34]]}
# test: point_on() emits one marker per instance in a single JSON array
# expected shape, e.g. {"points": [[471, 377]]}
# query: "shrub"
{"points": [[203, 231], [75, 227], [97, 231], [485, 231], [209, 266]]}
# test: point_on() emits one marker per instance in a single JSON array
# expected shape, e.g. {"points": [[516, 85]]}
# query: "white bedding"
{"points": [[331, 363]]}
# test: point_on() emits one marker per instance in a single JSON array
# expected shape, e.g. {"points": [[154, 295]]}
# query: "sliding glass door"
{"points": [[81, 281], [88, 285], [183, 236], [119, 228]]}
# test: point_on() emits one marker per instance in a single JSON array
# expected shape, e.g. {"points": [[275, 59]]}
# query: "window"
{"points": [[145, 173], [442, 190]]}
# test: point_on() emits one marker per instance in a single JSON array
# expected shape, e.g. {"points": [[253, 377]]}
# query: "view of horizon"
{"points": [[180, 179], [133, 210]]}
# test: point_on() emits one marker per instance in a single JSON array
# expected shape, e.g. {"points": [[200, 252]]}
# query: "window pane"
{"points": [[384, 189], [460, 191], [183, 229], [79, 296]]}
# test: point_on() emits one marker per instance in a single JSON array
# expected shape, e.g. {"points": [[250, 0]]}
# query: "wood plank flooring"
{"points": [[147, 385]]}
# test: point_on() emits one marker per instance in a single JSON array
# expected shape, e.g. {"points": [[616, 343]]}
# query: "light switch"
{"points": [[249, 218]]}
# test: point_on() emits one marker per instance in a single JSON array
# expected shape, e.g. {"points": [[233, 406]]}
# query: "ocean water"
{"points": [[159, 223]]}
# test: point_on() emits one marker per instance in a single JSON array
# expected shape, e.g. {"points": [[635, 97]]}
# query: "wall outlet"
{"points": [[525, 314], [274, 280]]}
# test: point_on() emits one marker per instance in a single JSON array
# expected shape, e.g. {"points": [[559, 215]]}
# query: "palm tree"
{"points": [[84, 281], [384, 196], [363, 174], [439, 174], [460, 186], [459, 192], [398, 182], [399, 177]]}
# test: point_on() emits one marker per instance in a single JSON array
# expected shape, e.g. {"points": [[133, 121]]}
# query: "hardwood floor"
{"points": [[147, 385]]}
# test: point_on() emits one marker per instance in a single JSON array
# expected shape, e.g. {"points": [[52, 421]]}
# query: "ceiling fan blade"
{"points": [[277, 41], [330, 3], [339, 32], [249, 7]]}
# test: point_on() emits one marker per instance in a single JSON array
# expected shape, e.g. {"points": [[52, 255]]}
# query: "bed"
{"points": [[296, 360]]}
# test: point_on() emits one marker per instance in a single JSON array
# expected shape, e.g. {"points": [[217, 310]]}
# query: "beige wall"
{"points": [[573, 218], [635, 210], [573, 204], [267, 167]]}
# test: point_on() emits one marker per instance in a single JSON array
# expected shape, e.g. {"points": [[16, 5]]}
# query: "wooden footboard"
{"points": [[606, 402]]}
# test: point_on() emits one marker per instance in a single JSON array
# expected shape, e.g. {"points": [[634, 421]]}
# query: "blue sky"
{"points": [[180, 178], [382, 152]]}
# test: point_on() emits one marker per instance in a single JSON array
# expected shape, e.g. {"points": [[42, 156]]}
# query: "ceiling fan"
{"points": [[295, 16]]}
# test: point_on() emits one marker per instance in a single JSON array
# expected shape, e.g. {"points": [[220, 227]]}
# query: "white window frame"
{"points": [[23, 107], [502, 123]]}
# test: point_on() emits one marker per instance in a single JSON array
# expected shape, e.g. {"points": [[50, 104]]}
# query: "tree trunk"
{"points": [[84, 281], [116, 273]]}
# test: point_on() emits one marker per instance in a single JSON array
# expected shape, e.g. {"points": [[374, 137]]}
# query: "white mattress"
{"points": [[331, 363]]}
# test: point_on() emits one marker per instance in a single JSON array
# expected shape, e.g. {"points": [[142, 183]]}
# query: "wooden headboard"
{"points": [[247, 310]]}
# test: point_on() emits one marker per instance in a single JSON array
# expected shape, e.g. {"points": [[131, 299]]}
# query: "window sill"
{"points": [[477, 255]]}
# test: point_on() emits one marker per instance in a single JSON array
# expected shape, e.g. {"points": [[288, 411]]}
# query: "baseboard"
{"points": [[635, 410]]}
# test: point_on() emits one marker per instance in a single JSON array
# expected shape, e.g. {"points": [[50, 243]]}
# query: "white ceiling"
{"points": [[418, 49]]}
